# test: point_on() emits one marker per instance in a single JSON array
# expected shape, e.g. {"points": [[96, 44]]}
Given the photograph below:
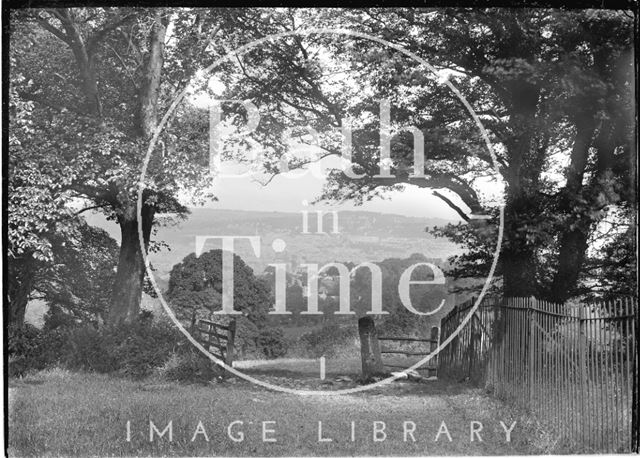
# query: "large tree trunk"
{"points": [[125, 301], [19, 292], [20, 285], [525, 153], [612, 132], [518, 258], [575, 234], [17, 310], [127, 288], [573, 248]]}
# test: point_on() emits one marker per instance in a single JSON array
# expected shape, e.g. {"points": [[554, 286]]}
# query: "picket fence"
{"points": [[573, 366]]}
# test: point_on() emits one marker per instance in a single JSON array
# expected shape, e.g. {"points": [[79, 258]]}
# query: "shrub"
{"points": [[134, 349], [190, 366], [272, 343], [22, 346], [142, 346], [29, 348], [329, 340], [87, 349], [56, 317]]}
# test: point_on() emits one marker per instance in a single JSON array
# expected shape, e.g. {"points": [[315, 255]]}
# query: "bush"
{"points": [[272, 343], [190, 366], [29, 348], [329, 340], [87, 348], [143, 346], [134, 349], [57, 318]]}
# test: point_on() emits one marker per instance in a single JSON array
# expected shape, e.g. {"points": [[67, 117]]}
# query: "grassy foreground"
{"points": [[60, 413]]}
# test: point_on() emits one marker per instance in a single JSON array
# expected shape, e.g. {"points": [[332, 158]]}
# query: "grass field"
{"points": [[57, 413]]}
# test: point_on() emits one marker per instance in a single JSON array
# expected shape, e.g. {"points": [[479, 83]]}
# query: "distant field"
{"points": [[57, 413]]}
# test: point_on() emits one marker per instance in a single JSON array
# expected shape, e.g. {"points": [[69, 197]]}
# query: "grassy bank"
{"points": [[60, 413]]}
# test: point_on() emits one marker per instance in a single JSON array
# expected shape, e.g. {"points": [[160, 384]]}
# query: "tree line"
{"points": [[554, 90]]}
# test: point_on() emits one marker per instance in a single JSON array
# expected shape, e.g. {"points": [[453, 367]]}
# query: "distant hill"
{"points": [[363, 236]]}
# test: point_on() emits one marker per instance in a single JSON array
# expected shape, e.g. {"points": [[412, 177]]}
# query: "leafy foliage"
{"points": [[195, 292], [195, 285], [328, 340], [89, 85], [80, 282], [135, 349], [552, 88], [190, 366], [29, 348], [424, 298], [272, 343]]}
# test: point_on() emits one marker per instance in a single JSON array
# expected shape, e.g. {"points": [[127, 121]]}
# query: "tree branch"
{"points": [[53, 30], [93, 207], [448, 201], [98, 36]]}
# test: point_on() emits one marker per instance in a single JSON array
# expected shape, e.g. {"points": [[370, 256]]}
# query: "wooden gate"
{"points": [[217, 338], [398, 346]]}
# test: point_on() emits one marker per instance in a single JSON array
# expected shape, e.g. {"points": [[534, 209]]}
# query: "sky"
{"points": [[289, 192]]}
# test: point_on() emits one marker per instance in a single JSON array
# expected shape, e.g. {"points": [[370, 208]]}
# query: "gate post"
{"points": [[231, 336], [369, 348], [433, 345]]}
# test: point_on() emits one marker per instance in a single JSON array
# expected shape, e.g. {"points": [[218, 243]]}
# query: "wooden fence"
{"points": [[217, 338], [573, 365], [412, 348]]}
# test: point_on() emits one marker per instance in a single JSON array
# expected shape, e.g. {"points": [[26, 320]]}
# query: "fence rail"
{"points": [[573, 365], [400, 348]]}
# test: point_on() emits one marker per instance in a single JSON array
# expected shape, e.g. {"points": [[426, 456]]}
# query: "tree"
{"points": [[195, 288], [79, 283], [73, 273], [98, 79], [424, 298], [547, 84], [37, 212], [612, 268]]}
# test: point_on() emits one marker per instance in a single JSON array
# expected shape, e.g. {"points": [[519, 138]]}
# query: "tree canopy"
{"points": [[553, 88], [195, 286]]}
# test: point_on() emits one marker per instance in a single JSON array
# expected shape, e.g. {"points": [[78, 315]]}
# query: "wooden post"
{"points": [[369, 348], [193, 324], [451, 367], [231, 335], [633, 370], [473, 346], [471, 350], [531, 349], [582, 355], [435, 340]]}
